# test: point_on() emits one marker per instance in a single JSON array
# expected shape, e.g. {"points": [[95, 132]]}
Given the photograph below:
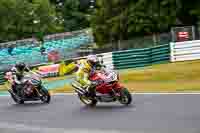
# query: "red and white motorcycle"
{"points": [[108, 90]]}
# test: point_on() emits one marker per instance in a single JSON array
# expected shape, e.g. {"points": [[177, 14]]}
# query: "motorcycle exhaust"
{"points": [[78, 89]]}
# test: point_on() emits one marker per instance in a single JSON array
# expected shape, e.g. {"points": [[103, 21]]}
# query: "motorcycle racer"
{"points": [[18, 71], [85, 68]]}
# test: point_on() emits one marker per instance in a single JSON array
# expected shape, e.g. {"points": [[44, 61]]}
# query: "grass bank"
{"points": [[172, 77]]}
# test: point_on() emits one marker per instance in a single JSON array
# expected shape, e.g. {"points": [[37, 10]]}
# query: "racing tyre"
{"points": [[87, 101], [45, 95], [125, 97]]}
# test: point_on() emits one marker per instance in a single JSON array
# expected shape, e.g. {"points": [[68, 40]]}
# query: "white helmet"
{"points": [[92, 58]]}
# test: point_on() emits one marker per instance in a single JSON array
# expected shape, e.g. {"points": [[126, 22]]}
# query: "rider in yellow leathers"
{"points": [[85, 68]]}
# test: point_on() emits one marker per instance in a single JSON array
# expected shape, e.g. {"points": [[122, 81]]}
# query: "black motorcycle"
{"points": [[30, 88]]}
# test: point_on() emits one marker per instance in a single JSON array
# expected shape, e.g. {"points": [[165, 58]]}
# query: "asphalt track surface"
{"points": [[65, 114]]}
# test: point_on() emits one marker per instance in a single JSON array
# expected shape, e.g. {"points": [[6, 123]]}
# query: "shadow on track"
{"points": [[27, 104], [107, 107]]}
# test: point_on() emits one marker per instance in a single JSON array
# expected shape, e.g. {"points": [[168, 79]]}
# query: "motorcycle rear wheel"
{"points": [[125, 97], [87, 101]]}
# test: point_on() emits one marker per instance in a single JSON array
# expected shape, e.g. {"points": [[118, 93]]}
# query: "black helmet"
{"points": [[20, 66]]}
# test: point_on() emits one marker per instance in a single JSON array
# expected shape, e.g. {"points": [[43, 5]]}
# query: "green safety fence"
{"points": [[141, 57]]}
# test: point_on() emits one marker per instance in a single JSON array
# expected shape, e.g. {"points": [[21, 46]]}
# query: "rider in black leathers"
{"points": [[18, 73]]}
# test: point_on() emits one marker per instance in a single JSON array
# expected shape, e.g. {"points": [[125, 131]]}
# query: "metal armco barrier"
{"points": [[182, 51]]}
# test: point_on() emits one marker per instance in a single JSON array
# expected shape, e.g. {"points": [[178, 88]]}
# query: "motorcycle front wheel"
{"points": [[87, 101], [125, 97], [45, 95]]}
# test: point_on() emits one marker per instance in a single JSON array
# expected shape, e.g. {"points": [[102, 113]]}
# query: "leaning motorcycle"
{"points": [[108, 89], [31, 88]]}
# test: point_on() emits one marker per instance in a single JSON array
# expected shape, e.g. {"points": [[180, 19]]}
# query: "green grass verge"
{"points": [[171, 77]]}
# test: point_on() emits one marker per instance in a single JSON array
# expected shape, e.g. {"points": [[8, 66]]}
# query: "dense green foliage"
{"points": [[120, 20], [111, 20], [21, 19], [27, 18]]}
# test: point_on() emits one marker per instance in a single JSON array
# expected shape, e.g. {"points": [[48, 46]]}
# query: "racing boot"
{"points": [[91, 92], [13, 87]]}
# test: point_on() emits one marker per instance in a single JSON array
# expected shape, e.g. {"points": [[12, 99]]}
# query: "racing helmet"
{"points": [[93, 59], [20, 66]]}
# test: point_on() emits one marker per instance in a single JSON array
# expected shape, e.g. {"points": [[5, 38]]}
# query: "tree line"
{"points": [[111, 20]]}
